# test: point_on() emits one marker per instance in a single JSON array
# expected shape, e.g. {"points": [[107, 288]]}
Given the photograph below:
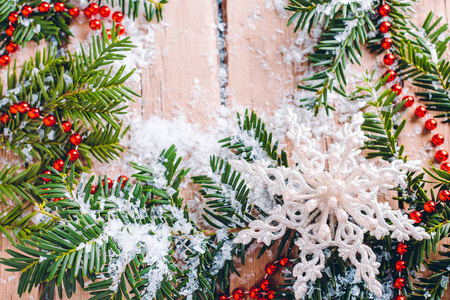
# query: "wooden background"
{"points": [[188, 49]]}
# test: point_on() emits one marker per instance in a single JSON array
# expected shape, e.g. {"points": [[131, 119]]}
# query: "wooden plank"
{"points": [[258, 77], [184, 76]]}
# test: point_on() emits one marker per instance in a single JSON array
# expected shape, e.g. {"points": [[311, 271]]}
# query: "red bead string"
{"points": [[400, 267], [49, 121], [25, 12], [93, 9], [263, 290]]}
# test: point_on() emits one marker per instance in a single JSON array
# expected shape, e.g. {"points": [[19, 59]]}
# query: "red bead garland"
{"points": [[397, 88], [59, 7], [409, 101], [416, 216], [399, 283], [444, 195], [4, 118], [384, 10], [49, 120], [117, 16], [441, 155], [23, 107], [431, 124], [429, 206], [420, 111], [44, 7], [402, 248], [4, 60], [74, 12], [26, 11], [13, 17], [73, 154], [387, 43], [271, 269], [66, 126], [437, 139], [445, 167], [389, 59], [105, 11], [33, 113], [385, 27], [75, 139], [95, 24], [254, 292], [400, 265], [58, 165], [392, 75], [238, 294]]}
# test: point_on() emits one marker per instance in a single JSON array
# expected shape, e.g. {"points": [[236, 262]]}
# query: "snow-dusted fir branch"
{"points": [[331, 200]]}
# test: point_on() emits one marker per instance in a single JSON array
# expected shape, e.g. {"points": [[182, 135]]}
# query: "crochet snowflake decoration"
{"points": [[331, 201]]}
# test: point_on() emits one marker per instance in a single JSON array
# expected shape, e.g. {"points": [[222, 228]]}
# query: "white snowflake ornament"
{"points": [[331, 201]]}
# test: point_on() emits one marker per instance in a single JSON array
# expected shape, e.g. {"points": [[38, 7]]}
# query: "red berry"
{"points": [[264, 284], [44, 7], [437, 139], [401, 297], [389, 59], [4, 118], [270, 294], [429, 206], [402, 248], [400, 265], [105, 11], [399, 283], [238, 294], [66, 126], [48, 172], [445, 167], [121, 29], [416, 216], [392, 74], [87, 13], [75, 139], [58, 165], [387, 43], [26, 11], [73, 154], [271, 269], [23, 107], [110, 182], [93, 8], [124, 179], [420, 111], [254, 292], [33, 113], [58, 199], [13, 108], [397, 88], [431, 124], [284, 261], [95, 24], [11, 47], [223, 297], [441, 155], [117, 16], [385, 27], [9, 31], [74, 12], [108, 32], [93, 189], [409, 101], [49, 120], [444, 195], [59, 7], [5, 60], [384, 10], [13, 17]]}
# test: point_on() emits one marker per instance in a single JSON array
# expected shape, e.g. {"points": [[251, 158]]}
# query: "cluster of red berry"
{"points": [[400, 266], [26, 12], [263, 290], [49, 121], [104, 11]]}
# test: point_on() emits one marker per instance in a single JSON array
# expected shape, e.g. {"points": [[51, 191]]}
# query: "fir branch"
{"points": [[383, 125], [346, 28]]}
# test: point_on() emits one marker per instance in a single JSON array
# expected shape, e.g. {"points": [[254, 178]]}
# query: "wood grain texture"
{"points": [[184, 76]]}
